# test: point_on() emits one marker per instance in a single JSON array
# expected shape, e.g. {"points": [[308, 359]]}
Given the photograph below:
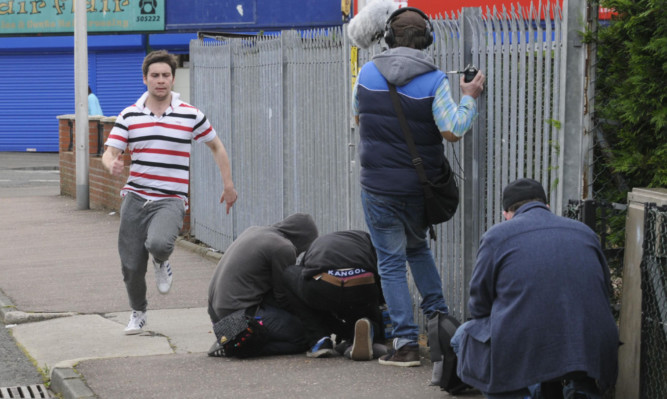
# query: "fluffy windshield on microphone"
{"points": [[368, 25]]}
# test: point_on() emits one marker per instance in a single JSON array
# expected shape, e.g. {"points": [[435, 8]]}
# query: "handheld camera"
{"points": [[469, 73]]}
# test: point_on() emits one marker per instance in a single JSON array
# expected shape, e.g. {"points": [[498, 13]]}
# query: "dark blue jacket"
{"points": [[539, 298], [386, 163]]}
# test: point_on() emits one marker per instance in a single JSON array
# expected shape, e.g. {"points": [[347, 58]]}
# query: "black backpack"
{"points": [[441, 328]]}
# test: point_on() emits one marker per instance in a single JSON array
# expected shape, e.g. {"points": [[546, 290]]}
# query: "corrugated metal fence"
{"points": [[282, 107]]}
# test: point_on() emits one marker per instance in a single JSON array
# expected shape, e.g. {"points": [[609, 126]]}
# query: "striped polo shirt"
{"points": [[159, 147]]}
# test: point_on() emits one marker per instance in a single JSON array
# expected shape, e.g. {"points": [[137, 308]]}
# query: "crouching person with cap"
{"points": [[248, 278], [541, 325], [336, 290]]}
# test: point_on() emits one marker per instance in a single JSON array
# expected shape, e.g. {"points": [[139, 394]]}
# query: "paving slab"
{"points": [[68, 340], [197, 376], [188, 330]]}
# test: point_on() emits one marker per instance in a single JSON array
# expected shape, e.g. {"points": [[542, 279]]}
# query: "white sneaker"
{"points": [[137, 322], [162, 276]]}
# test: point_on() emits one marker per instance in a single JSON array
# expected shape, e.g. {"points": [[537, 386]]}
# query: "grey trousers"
{"points": [[146, 227]]}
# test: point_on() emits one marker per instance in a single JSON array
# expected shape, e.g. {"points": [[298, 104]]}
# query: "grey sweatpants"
{"points": [[146, 227]]}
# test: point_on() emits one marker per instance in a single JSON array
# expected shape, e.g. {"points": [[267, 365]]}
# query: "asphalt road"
{"points": [[27, 174], [15, 368]]}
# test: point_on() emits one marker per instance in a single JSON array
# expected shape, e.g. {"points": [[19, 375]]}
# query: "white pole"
{"points": [[81, 103]]}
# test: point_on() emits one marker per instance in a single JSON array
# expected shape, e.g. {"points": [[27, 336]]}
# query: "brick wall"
{"points": [[67, 161], [103, 188]]}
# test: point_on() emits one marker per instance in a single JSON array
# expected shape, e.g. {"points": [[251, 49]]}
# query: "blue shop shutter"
{"points": [[116, 79], [36, 88]]}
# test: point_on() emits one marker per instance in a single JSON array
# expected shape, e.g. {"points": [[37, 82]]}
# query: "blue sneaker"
{"points": [[323, 348]]}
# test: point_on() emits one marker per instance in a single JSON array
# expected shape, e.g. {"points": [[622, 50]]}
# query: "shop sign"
{"points": [[24, 17]]}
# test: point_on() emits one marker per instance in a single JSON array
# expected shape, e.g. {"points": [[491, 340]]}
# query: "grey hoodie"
{"points": [[299, 228], [400, 65], [251, 268]]}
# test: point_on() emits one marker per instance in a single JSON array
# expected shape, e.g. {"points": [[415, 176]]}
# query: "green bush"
{"points": [[631, 90]]}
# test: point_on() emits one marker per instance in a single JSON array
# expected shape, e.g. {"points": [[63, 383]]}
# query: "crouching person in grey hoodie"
{"points": [[248, 278]]}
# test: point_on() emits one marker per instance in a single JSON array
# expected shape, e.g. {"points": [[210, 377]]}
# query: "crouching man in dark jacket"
{"points": [[542, 325], [337, 290]]}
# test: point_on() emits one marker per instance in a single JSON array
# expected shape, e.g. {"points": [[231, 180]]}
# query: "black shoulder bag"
{"points": [[441, 196], [441, 328]]}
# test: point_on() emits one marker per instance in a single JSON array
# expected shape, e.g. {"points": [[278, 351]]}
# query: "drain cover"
{"points": [[28, 391]]}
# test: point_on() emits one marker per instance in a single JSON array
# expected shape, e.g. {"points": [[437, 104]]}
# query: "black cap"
{"points": [[521, 190]]}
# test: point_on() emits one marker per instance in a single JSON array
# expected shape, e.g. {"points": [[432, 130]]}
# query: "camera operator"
{"points": [[392, 197]]}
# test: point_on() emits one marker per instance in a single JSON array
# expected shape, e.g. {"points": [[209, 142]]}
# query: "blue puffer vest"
{"points": [[386, 164]]}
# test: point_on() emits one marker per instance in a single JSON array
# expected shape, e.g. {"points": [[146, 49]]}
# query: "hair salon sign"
{"points": [[19, 17]]}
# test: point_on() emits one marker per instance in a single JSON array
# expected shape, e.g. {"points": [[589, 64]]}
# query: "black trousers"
{"points": [[325, 308]]}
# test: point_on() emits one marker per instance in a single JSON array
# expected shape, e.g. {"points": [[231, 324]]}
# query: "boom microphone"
{"points": [[368, 26]]}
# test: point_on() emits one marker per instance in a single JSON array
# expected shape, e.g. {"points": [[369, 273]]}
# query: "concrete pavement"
{"points": [[63, 290]]}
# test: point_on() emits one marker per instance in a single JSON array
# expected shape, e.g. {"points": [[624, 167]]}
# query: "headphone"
{"points": [[389, 37]]}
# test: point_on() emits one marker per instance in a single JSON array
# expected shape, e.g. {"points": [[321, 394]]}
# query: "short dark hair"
{"points": [[517, 205], [159, 56], [413, 38]]}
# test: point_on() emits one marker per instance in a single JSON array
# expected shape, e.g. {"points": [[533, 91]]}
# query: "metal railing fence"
{"points": [[652, 381], [282, 106]]}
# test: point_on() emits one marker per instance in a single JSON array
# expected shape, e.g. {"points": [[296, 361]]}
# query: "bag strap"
{"points": [[416, 159]]}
